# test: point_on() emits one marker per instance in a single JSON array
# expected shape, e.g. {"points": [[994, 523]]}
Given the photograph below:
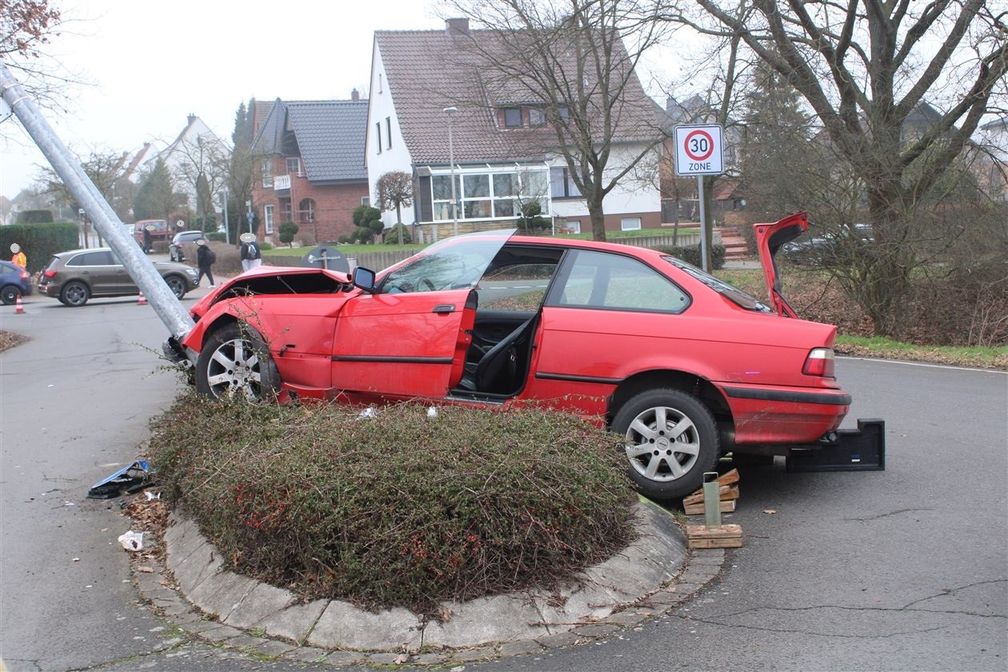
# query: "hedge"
{"points": [[691, 254], [39, 241]]}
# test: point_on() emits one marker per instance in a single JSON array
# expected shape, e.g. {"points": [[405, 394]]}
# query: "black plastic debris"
{"points": [[861, 449], [131, 478]]}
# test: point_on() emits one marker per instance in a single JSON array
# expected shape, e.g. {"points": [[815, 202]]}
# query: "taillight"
{"points": [[819, 363], [50, 274], [24, 275]]}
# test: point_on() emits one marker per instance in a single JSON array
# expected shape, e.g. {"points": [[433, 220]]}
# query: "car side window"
{"points": [[98, 258], [615, 282]]}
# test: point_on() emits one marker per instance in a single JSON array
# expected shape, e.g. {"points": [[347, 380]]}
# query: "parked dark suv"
{"points": [[14, 282], [184, 245], [74, 277]]}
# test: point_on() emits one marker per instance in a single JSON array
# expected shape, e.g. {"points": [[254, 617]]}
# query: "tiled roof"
{"points": [[428, 70], [329, 135]]}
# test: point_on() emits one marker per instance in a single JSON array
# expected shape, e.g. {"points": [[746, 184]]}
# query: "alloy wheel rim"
{"points": [[662, 444], [75, 294], [235, 368]]}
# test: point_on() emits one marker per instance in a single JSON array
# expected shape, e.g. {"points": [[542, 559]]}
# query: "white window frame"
{"points": [[489, 171], [268, 219], [570, 226], [624, 227], [297, 166]]}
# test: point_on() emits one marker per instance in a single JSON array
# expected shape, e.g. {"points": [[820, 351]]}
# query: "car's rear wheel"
{"points": [[9, 294], [177, 286], [74, 294], [236, 361], [671, 440]]}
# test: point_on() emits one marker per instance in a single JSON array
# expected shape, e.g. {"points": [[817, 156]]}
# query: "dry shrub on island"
{"points": [[397, 509]]}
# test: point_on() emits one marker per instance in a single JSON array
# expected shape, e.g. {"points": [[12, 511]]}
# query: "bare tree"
{"points": [[203, 165], [576, 59], [865, 67], [394, 189], [107, 171]]}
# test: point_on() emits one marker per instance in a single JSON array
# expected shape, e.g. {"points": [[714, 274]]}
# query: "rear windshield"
{"points": [[730, 292], [52, 263]]}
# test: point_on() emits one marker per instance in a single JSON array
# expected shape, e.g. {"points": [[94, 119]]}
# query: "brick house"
{"points": [[309, 167], [423, 82]]}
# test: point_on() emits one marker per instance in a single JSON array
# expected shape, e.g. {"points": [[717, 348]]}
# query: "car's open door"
{"points": [[407, 336]]}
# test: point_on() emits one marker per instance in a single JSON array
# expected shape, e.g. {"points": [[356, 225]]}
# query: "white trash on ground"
{"points": [[131, 541]]}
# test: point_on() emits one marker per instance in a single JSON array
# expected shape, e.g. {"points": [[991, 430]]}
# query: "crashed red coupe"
{"points": [[685, 366]]}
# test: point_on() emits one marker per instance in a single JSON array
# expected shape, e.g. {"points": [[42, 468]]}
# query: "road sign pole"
{"points": [[703, 225]]}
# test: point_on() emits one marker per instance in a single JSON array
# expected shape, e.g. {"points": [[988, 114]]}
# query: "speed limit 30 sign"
{"points": [[699, 150]]}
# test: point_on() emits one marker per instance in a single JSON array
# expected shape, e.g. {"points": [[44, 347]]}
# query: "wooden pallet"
{"points": [[725, 536]]}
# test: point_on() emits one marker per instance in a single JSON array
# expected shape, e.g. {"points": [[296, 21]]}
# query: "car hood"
{"points": [[770, 238], [261, 280]]}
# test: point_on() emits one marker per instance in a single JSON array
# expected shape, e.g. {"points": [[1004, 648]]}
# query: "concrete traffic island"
{"points": [[647, 578]]}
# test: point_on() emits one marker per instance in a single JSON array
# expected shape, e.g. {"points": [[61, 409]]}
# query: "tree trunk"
{"points": [[888, 261], [597, 216]]}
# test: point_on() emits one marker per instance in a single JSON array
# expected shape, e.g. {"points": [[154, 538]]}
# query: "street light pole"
{"points": [[450, 111], [227, 229]]}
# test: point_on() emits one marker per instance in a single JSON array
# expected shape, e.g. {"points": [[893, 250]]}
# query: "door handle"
{"points": [[443, 308]]}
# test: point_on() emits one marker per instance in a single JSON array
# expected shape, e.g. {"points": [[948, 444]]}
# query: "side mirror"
{"points": [[364, 278]]}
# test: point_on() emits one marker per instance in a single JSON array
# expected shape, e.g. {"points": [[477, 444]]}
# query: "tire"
{"points": [[75, 294], [177, 285], [235, 359], [667, 463], [9, 294]]}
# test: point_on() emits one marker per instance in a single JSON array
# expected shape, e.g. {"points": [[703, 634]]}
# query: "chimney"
{"points": [[355, 95], [191, 118], [456, 27]]}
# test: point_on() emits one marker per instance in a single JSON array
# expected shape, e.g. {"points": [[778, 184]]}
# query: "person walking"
{"points": [[205, 258], [18, 257], [251, 256]]}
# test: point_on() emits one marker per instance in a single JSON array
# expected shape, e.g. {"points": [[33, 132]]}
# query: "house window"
{"points": [[562, 184], [267, 173], [563, 112], [306, 211], [570, 226], [496, 194], [630, 224], [537, 117], [268, 218], [378, 134], [512, 117], [365, 200], [294, 166], [285, 211], [388, 132]]}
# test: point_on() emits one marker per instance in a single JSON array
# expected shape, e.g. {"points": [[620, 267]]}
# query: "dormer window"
{"points": [[512, 117], [536, 117]]}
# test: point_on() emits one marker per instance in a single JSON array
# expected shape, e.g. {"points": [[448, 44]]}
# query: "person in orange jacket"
{"points": [[18, 257]]}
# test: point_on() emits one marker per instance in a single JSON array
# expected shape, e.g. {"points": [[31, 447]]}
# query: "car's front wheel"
{"points": [[177, 286], [74, 294], [9, 294], [236, 360], [671, 440]]}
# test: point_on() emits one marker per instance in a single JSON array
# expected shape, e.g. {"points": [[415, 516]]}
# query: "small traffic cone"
{"points": [[19, 306], [141, 300]]}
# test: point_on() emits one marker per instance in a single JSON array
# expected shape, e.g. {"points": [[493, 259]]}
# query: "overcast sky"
{"points": [[149, 64]]}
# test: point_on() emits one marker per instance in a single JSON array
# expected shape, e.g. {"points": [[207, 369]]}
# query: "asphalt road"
{"points": [[895, 570]]}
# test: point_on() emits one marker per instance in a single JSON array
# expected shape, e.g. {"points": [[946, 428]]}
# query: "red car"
{"points": [[685, 366]]}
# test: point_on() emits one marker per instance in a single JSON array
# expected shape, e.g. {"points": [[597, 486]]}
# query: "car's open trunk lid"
{"points": [[769, 239]]}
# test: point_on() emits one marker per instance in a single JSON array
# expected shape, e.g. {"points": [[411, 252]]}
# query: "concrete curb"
{"points": [[646, 579]]}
